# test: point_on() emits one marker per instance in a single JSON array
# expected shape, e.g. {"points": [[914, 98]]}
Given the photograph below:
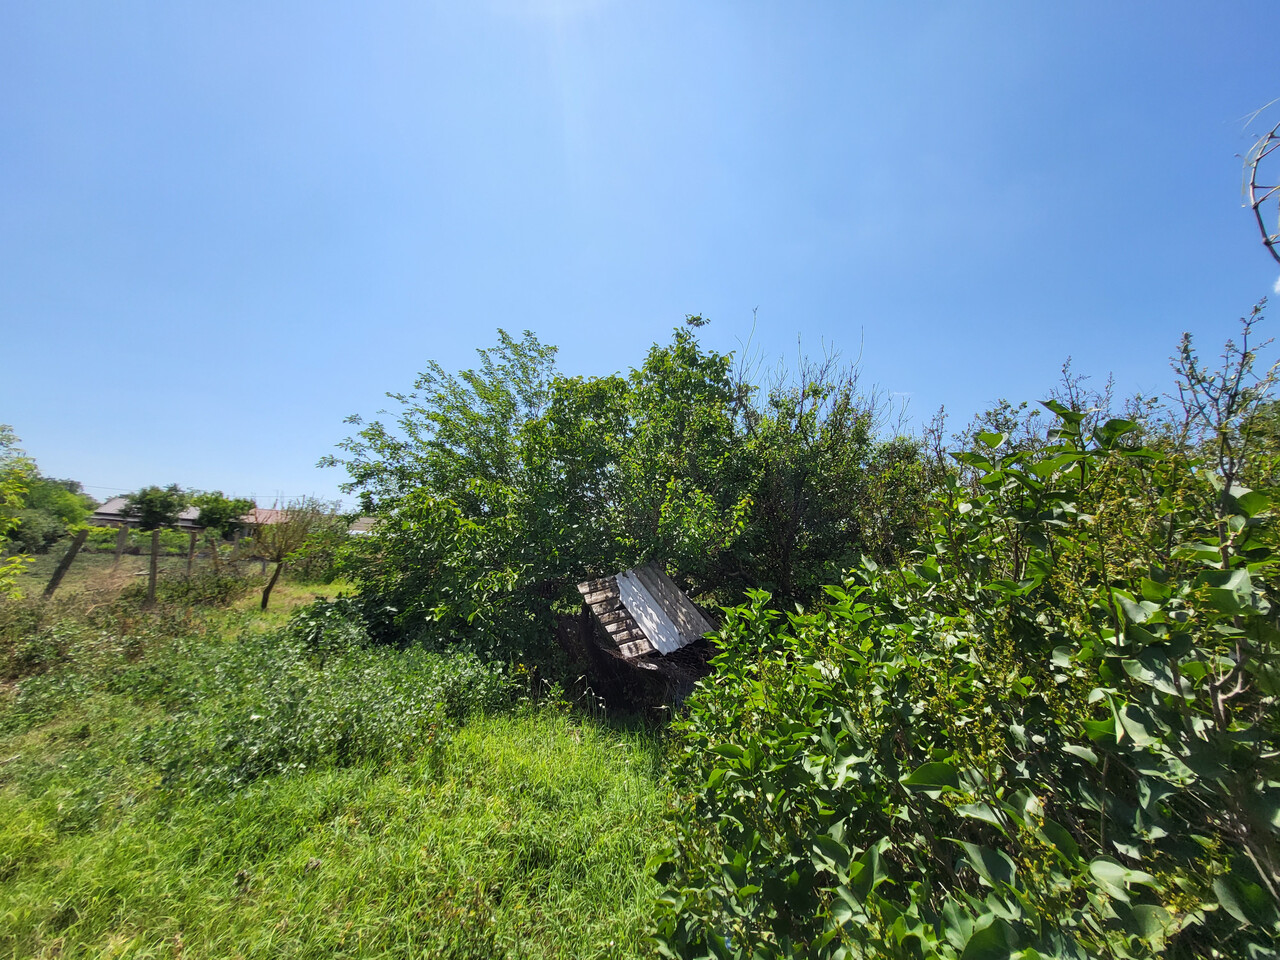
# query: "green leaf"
{"points": [[993, 866], [1152, 923], [1252, 503], [827, 851], [935, 776], [1116, 877], [979, 811], [1227, 601], [1137, 725], [1060, 839], [1099, 729], [992, 440], [1245, 901], [1153, 671], [730, 751], [867, 872], [1064, 413], [992, 942], [1139, 612], [1109, 434], [1154, 591], [1084, 753]]}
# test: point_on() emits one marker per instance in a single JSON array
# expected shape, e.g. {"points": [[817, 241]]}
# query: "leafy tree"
{"points": [[221, 517], [456, 434], [51, 508], [825, 488], [155, 507], [501, 487], [15, 473]]}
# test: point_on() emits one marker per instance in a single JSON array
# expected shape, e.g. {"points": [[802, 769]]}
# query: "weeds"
{"points": [[182, 781]]}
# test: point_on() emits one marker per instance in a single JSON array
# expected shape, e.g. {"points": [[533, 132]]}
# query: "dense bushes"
{"points": [[499, 488], [311, 694], [1052, 734]]}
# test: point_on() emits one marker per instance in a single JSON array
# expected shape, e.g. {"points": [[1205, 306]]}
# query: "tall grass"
{"points": [[224, 791]]}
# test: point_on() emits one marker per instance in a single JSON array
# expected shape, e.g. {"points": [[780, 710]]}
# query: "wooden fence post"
{"points": [[65, 563], [151, 579], [122, 537]]}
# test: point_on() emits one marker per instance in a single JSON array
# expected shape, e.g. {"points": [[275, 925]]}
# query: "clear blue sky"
{"points": [[224, 227]]}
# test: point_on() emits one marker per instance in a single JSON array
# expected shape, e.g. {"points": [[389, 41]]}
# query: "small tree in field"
{"points": [[286, 539]]}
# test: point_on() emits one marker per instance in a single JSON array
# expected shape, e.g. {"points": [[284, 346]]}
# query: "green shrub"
{"points": [[1052, 735], [101, 538], [329, 625], [202, 589], [271, 708]]}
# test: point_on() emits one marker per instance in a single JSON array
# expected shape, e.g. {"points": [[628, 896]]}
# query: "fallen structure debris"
{"points": [[642, 637]]}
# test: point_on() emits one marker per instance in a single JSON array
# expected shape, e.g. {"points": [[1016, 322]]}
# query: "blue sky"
{"points": [[225, 227]]}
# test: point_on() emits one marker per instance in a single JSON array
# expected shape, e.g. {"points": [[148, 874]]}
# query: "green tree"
{"points": [[16, 471], [1051, 732], [501, 487], [220, 516], [155, 507], [51, 508]]}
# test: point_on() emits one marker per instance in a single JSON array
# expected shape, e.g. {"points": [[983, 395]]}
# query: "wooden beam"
{"points": [[122, 537], [65, 563]]}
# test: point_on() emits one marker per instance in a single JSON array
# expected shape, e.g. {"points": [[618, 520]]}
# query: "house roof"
{"points": [[362, 525], [261, 516], [112, 514]]}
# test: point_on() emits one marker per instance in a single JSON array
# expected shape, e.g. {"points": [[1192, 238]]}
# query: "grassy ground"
{"points": [[91, 569], [516, 831]]}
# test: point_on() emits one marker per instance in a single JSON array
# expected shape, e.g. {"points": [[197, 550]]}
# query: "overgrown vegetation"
{"points": [[1051, 734], [499, 488], [194, 780], [1013, 700]]}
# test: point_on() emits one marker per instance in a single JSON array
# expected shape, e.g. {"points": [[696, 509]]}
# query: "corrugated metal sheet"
{"points": [[643, 612]]}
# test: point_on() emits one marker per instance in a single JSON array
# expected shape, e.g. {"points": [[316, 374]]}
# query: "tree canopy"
{"points": [[502, 486]]}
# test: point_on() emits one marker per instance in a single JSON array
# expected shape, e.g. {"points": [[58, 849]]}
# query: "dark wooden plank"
{"points": [[626, 635]]}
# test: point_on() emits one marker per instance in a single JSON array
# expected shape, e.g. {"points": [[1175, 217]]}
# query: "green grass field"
{"points": [[465, 830]]}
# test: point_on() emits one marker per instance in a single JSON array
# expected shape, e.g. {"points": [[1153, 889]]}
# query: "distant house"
{"points": [[263, 517], [111, 514], [362, 525]]}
